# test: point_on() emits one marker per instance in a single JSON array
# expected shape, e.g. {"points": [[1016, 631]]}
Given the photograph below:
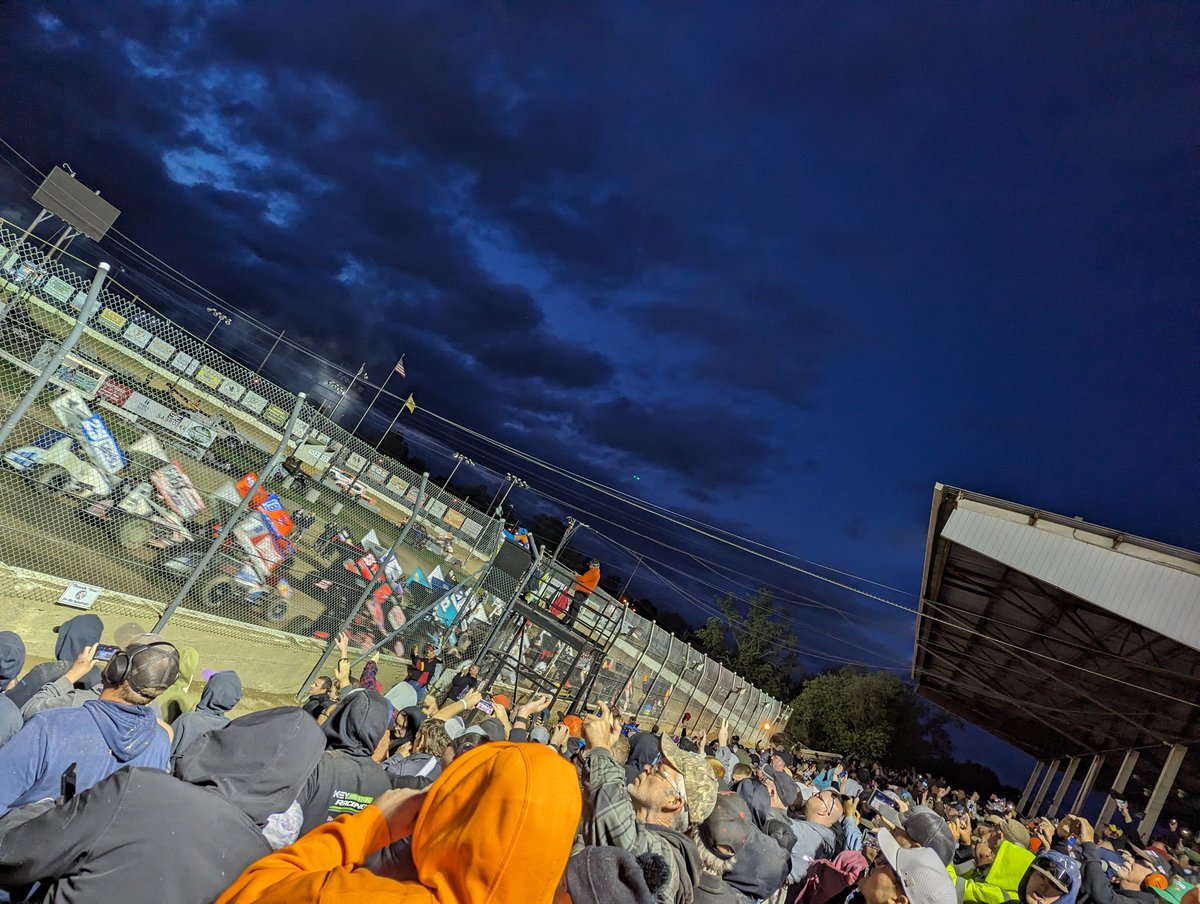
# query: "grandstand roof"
{"points": [[1059, 636]]}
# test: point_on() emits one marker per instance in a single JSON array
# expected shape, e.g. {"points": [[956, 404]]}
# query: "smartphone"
{"points": [[1121, 804], [879, 799], [870, 840], [485, 706], [68, 783], [105, 652]]}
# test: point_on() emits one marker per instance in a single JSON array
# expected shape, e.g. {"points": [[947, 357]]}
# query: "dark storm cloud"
{"points": [[789, 264], [711, 441]]}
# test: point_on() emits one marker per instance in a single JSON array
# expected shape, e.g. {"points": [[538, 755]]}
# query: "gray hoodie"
{"points": [[222, 693]]}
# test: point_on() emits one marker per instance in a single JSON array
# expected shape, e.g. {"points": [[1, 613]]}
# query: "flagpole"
{"points": [[378, 393]]}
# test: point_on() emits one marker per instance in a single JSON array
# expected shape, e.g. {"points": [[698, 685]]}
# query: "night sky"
{"points": [[789, 264]]}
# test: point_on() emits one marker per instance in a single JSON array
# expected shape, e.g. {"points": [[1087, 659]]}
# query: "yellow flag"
{"points": [[410, 405]]}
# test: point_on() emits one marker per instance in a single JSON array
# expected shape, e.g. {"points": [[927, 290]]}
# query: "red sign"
{"points": [[112, 391]]}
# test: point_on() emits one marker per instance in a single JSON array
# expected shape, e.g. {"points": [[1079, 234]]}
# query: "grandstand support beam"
{"points": [[1126, 770], [1089, 782], [1162, 789], [1051, 770], [1029, 786], [232, 521], [1068, 777], [56, 360]]}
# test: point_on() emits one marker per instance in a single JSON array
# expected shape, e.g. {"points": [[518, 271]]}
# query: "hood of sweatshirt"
{"points": [[496, 812], [757, 798], [12, 657], [643, 748], [76, 633], [358, 722], [257, 762], [127, 729], [222, 693]]}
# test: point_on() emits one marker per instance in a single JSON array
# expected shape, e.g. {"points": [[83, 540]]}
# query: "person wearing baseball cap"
{"points": [[906, 875], [920, 827], [999, 866], [654, 811], [1052, 878]]}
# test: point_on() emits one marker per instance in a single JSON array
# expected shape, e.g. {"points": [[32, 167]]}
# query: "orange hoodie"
{"points": [[586, 582], [496, 827]]}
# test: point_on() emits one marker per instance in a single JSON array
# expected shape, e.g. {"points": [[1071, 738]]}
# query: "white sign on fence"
{"points": [[79, 596]]}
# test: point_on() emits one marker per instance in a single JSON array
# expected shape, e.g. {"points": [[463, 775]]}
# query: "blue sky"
{"points": [[789, 264]]}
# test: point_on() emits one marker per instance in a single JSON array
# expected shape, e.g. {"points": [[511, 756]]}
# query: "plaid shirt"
{"points": [[608, 819]]}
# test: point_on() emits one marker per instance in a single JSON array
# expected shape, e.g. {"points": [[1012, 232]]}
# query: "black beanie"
{"points": [[611, 875]]}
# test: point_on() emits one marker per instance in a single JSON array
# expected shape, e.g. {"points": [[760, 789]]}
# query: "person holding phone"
{"points": [[102, 735]]}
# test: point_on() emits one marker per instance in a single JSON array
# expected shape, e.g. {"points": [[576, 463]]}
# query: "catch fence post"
{"points": [[56, 360], [371, 587]]}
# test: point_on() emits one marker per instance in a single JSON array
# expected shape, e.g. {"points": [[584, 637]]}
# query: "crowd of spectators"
{"points": [[123, 779]]}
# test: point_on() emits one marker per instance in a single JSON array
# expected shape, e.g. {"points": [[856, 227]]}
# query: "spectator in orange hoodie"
{"points": [[496, 827], [585, 585]]}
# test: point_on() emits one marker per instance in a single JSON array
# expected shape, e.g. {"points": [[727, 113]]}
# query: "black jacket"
{"points": [[144, 835], [1097, 888], [713, 890], [346, 779]]}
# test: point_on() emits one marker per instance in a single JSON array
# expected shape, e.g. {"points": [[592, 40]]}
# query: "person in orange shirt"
{"points": [[496, 827], [585, 585]]}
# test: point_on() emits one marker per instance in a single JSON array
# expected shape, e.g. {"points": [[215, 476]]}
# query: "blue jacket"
{"points": [[99, 736]]}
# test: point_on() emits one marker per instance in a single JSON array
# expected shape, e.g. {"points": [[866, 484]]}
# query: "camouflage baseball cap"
{"points": [[699, 783]]}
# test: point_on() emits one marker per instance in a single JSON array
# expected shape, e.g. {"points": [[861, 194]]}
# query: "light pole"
{"points": [[459, 459], [218, 320]]}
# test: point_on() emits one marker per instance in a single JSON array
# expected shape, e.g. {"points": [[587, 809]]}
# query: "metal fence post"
{"points": [[56, 360], [372, 585], [231, 521]]}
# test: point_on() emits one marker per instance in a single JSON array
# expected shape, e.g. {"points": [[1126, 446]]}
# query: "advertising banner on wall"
{"points": [[209, 377], [112, 320], [59, 289], [454, 519], [255, 403], [191, 429], [159, 349], [231, 390], [185, 363], [74, 373], [137, 335]]}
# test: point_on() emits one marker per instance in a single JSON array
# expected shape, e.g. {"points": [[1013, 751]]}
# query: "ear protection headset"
{"points": [[120, 667]]}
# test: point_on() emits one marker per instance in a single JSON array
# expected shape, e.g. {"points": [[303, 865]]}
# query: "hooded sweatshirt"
{"points": [[73, 635], [100, 737], [346, 779], [143, 835], [12, 660], [763, 862], [643, 748], [222, 693], [496, 828]]}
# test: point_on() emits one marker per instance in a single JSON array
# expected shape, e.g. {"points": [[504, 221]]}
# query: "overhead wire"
{"points": [[712, 532]]}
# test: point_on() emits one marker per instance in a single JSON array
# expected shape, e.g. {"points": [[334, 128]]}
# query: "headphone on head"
{"points": [[120, 667]]}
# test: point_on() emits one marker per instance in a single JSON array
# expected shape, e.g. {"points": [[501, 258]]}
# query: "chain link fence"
{"points": [[135, 456]]}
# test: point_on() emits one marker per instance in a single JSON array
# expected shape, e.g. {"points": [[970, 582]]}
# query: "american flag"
{"points": [[399, 368]]}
